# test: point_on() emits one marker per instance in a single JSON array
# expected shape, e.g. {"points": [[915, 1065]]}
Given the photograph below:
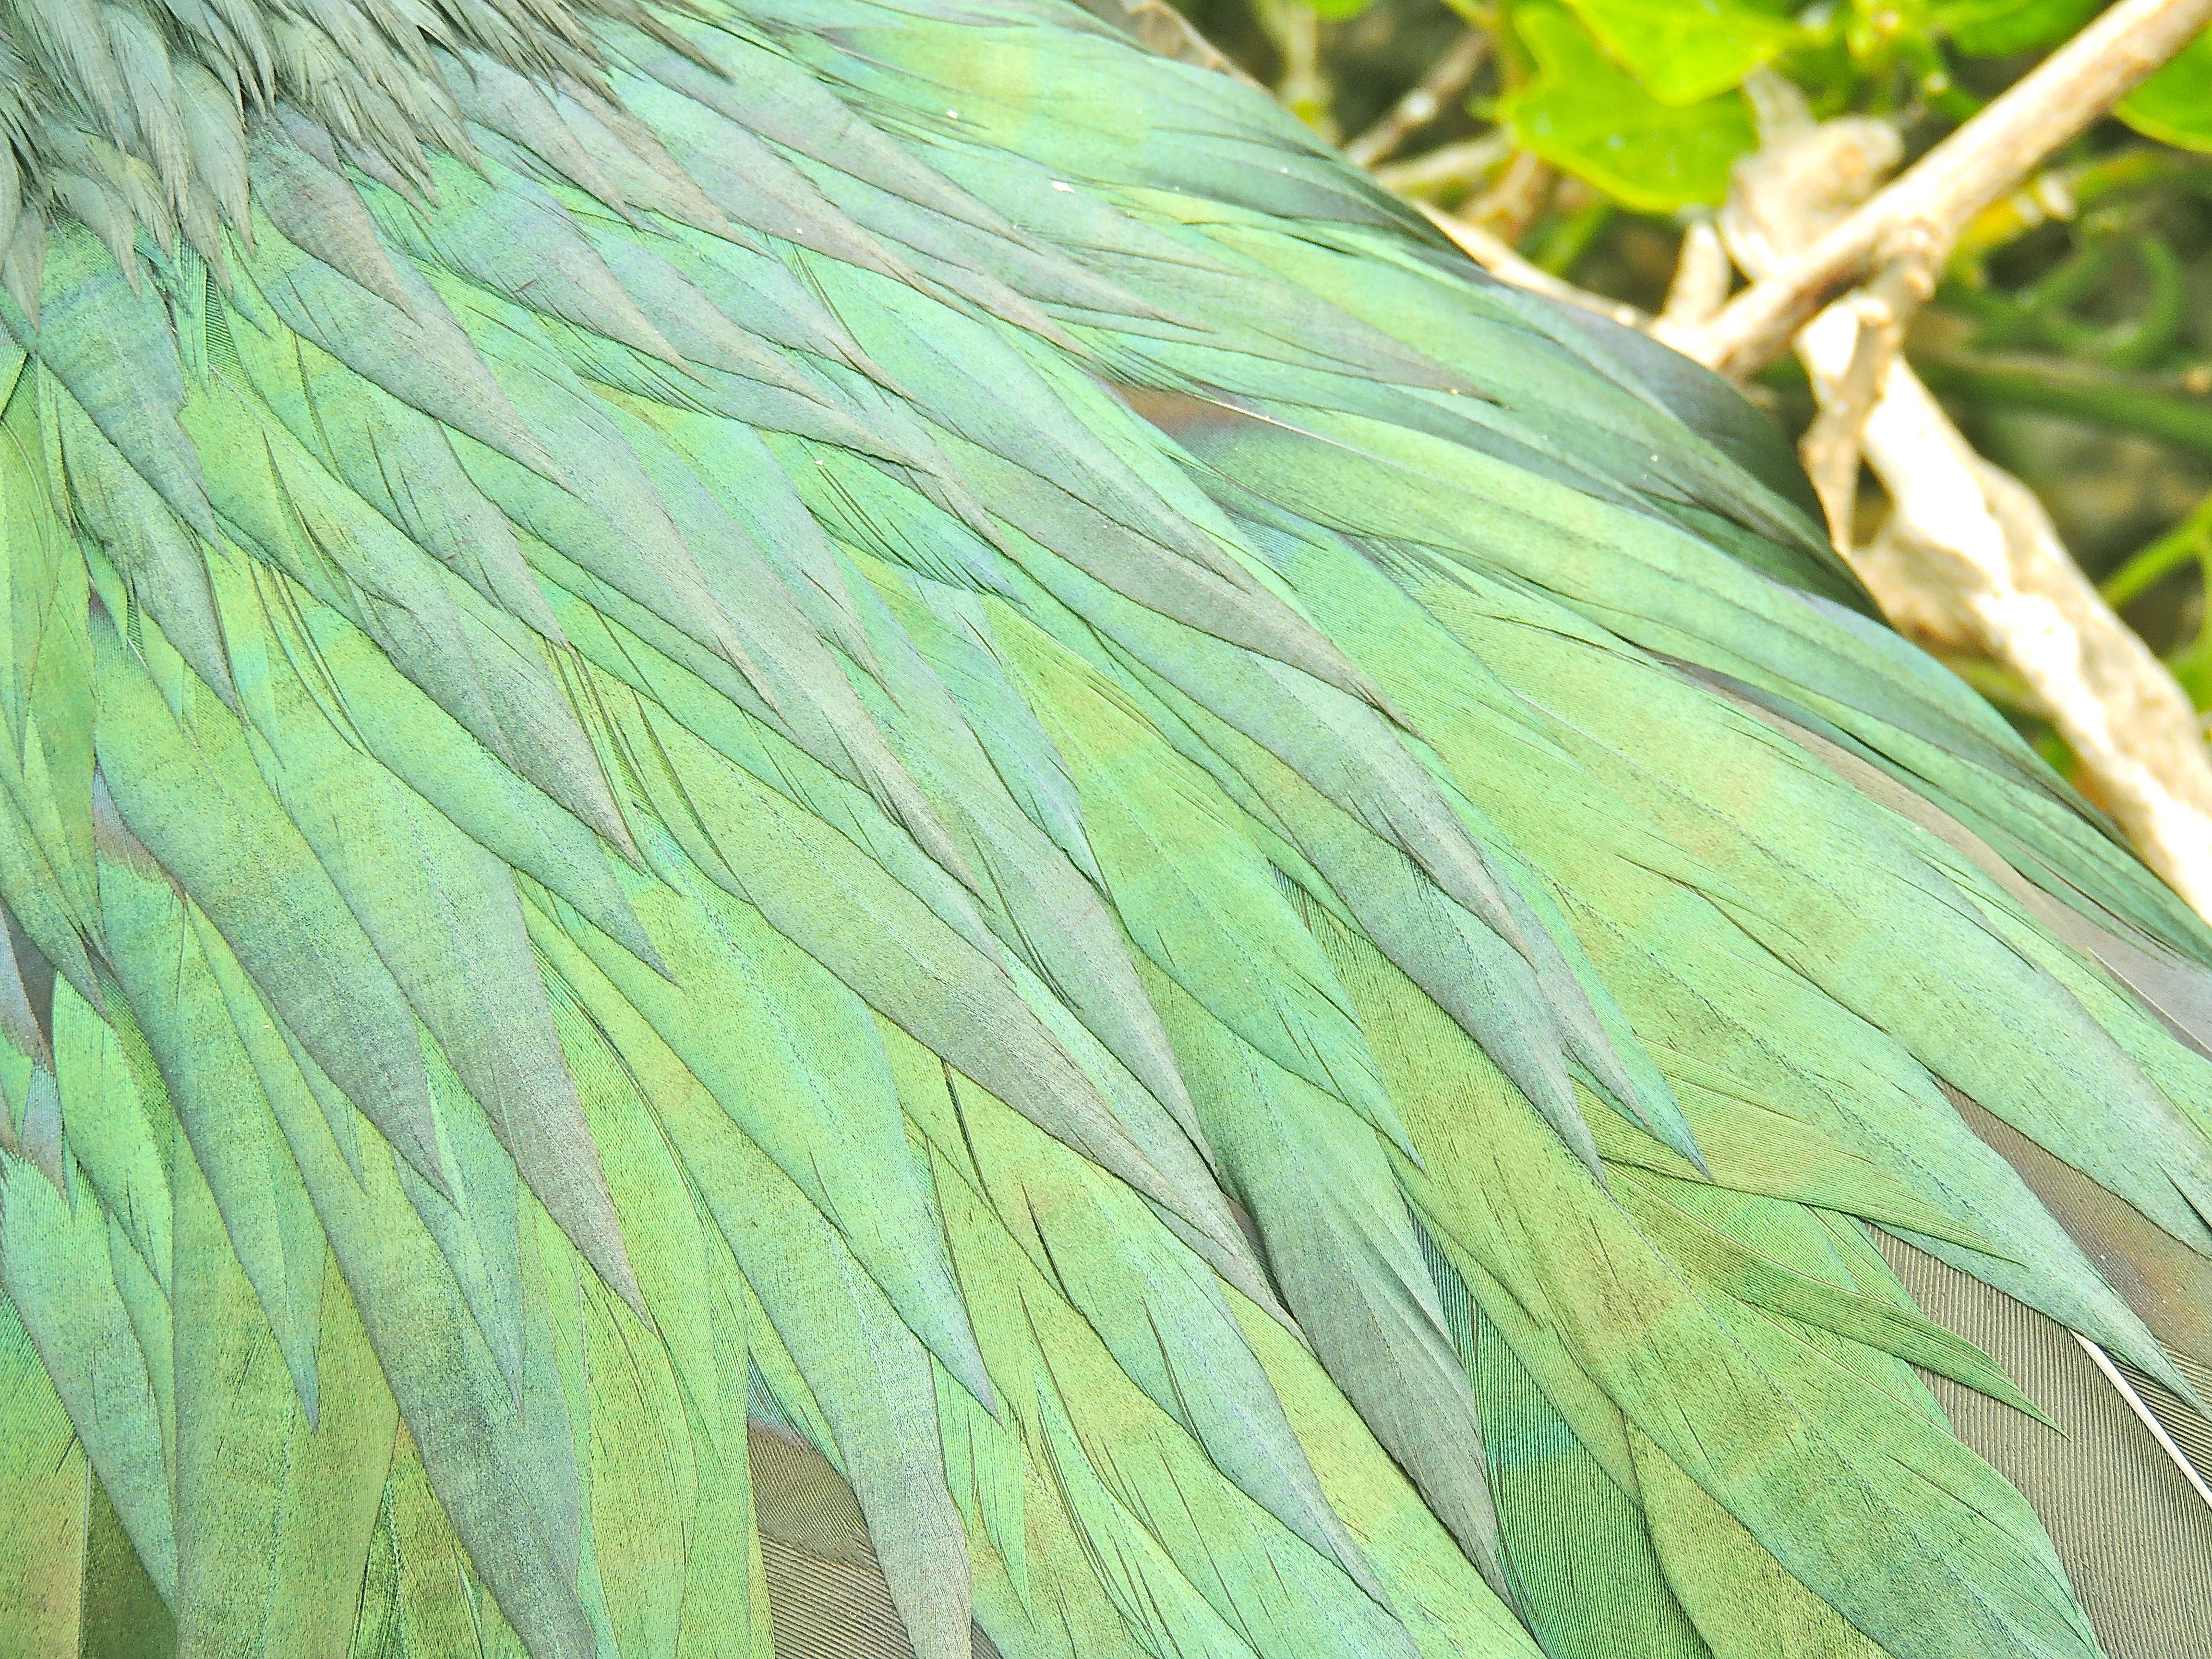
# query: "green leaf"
{"points": [[2175, 105], [1583, 115], [1337, 11], [1996, 28], [1684, 51]]}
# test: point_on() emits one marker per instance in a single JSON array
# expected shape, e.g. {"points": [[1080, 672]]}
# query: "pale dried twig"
{"points": [[1430, 96], [1510, 206], [1498, 257], [1917, 217], [1968, 556], [1830, 447], [1702, 276], [1460, 166], [1969, 550], [1804, 178], [1295, 32]]}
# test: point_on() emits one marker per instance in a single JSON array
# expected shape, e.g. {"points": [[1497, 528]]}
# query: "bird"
{"points": [[851, 829]]}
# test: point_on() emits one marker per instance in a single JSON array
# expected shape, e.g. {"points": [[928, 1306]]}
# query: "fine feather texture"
{"points": [[847, 827]]}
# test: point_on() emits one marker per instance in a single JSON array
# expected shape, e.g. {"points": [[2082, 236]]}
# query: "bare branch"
{"points": [[1458, 166], [1498, 257], [2060, 193], [1831, 448], [1968, 557], [1511, 205], [1160, 27], [1919, 215], [1436, 91], [1970, 552], [1702, 276], [1294, 29]]}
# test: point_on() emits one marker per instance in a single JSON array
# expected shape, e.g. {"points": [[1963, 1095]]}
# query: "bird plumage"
{"points": [[847, 827]]}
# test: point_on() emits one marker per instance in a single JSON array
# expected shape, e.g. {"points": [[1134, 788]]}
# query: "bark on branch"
{"points": [[1502, 260], [1969, 554], [1919, 217]]}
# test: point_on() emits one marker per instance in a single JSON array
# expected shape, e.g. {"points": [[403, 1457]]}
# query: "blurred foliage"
{"points": [[2072, 337]]}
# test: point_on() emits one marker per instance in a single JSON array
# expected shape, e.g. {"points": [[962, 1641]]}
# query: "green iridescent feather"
{"points": [[847, 737]]}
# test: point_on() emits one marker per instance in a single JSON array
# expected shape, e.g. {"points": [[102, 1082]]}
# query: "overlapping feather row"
{"points": [[894, 728]]}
